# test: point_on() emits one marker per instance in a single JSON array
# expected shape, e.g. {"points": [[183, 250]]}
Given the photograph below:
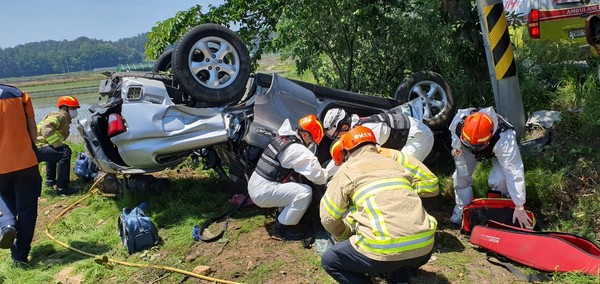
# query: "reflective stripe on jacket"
{"points": [[53, 130], [423, 180], [389, 222]]}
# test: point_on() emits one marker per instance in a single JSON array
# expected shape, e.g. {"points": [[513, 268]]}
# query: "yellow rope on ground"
{"points": [[105, 259]]}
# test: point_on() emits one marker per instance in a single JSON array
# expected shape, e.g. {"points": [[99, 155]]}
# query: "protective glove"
{"points": [[521, 215]]}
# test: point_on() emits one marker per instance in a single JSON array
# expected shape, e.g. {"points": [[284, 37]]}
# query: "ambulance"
{"points": [[550, 20]]}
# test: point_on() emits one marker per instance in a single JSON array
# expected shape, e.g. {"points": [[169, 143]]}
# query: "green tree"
{"points": [[256, 19], [51, 57], [167, 32], [368, 46]]}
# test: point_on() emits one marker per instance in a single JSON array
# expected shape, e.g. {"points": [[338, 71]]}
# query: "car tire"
{"points": [[212, 64], [163, 63], [436, 93]]}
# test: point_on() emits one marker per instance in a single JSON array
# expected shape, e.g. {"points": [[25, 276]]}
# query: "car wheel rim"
{"points": [[214, 62], [435, 100]]}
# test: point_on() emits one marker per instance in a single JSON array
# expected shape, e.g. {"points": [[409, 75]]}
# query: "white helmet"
{"points": [[332, 120]]}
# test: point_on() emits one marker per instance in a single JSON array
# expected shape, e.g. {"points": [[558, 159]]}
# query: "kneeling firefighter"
{"points": [[272, 183], [389, 231]]}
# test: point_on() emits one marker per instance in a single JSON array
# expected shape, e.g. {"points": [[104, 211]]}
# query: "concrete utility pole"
{"points": [[501, 63]]}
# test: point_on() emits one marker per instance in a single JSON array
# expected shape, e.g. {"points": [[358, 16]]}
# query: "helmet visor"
{"points": [[331, 133], [474, 147]]}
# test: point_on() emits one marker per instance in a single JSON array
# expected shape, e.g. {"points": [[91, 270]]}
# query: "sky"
{"points": [[23, 21]]}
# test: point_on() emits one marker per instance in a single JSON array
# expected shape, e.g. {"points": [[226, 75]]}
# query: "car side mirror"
{"points": [[592, 31]]}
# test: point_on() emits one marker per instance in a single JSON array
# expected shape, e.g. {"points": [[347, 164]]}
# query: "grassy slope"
{"points": [[247, 254]]}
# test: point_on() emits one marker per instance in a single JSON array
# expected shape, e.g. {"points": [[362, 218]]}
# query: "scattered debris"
{"points": [[65, 277], [538, 131], [52, 261], [250, 265], [545, 118], [202, 270]]}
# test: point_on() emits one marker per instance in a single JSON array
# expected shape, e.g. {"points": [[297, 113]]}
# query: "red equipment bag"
{"points": [[497, 209], [545, 251]]}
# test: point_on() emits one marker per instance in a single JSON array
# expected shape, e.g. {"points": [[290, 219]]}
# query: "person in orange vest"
{"points": [[52, 132], [20, 180]]}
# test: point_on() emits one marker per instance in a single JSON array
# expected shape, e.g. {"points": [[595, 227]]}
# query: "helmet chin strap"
{"points": [[308, 141], [303, 135], [312, 146]]}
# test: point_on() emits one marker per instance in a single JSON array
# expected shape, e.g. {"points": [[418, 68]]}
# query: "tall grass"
{"points": [[562, 181]]}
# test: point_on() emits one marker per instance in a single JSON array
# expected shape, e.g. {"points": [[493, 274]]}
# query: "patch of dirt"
{"points": [[235, 259], [455, 260], [254, 256]]}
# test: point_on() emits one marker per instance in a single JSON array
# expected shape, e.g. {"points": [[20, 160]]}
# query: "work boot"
{"points": [[68, 191], [21, 264], [291, 232], [7, 236]]}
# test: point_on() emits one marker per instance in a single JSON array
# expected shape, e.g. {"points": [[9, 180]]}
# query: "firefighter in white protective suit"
{"points": [[273, 184], [479, 134], [392, 130]]}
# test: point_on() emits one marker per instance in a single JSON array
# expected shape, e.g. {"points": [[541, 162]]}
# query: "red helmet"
{"points": [[357, 136], [311, 124], [477, 130], [336, 151], [67, 101]]}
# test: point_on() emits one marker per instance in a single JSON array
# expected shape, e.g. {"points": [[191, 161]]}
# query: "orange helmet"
{"points": [[477, 130], [357, 136], [336, 151], [311, 124], [67, 101]]}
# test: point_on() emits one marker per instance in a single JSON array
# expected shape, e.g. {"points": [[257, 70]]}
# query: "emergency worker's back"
{"points": [[387, 206]]}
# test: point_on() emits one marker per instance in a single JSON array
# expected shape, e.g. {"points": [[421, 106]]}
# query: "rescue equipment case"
{"points": [[545, 251], [497, 209]]}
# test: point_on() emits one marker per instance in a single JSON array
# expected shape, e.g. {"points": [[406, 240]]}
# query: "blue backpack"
{"points": [[85, 167], [136, 230]]}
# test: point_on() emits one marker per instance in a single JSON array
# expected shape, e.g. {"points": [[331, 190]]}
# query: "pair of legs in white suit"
{"points": [[292, 196], [463, 191]]}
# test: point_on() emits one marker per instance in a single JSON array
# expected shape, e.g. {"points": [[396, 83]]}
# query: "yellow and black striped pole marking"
{"points": [[504, 61]]}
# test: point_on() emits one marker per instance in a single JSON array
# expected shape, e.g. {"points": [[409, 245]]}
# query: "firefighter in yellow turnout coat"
{"points": [[390, 233], [422, 180], [53, 130]]}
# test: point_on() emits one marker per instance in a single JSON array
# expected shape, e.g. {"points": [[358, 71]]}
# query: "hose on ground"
{"points": [[103, 259]]}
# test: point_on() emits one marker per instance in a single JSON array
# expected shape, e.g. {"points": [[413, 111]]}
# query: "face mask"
{"points": [[73, 113]]}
